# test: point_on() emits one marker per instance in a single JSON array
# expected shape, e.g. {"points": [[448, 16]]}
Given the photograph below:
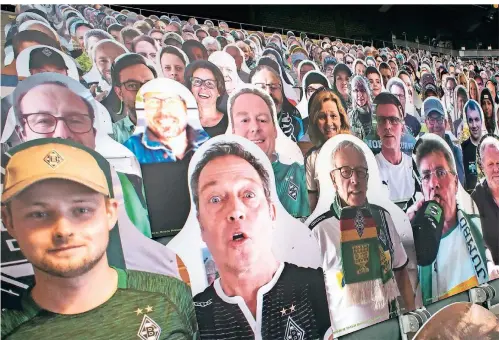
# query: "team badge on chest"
{"points": [[149, 329], [293, 331]]}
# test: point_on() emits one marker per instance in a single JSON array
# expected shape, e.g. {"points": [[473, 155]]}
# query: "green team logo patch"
{"points": [[149, 329]]}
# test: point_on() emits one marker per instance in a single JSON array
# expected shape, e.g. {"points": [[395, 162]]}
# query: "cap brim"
{"points": [[16, 189]]}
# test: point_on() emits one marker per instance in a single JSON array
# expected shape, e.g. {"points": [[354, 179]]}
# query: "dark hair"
{"points": [[32, 35], [371, 69], [172, 50], [204, 64], [228, 149], [386, 98], [384, 65], [140, 38], [428, 146], [124, 61], [189, 45]]}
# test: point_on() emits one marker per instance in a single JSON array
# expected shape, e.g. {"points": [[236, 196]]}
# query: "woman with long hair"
{"points": [[361, 114], [327, 118]]}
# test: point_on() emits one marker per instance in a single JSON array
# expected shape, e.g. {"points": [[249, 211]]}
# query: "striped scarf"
{"points": [[367, 275]]}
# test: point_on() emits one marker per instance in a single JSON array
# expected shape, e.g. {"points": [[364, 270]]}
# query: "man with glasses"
{"points": [[395, 167], [288, 116], [129, 72], [168, 137], [461, 262], [363, 257], [349, 59], [435, 121]]}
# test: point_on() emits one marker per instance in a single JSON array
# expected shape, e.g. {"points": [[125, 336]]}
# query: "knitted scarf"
{"points": [[367, 275]]}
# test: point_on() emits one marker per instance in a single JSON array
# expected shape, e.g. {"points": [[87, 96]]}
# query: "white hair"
{"points": [[210, 41]]}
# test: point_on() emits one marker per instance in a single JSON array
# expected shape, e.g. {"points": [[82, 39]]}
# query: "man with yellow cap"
{"points": [[57, 204]]}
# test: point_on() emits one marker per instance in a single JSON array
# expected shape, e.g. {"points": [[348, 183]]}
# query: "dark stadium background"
{"points": [[459, 25]]}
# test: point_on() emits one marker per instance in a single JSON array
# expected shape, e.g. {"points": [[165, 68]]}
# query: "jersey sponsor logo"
{"points": [[53, 159], [149, 329], [292, 190], [293, 331], [203, 304]]}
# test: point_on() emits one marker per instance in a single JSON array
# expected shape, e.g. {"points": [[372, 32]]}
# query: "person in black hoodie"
{"points": [[487, 104]]}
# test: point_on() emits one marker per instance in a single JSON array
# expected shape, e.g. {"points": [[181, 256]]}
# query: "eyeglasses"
{"points": [[209, 83], [434, 120], [46, 123], [272, 87], [349, 62], [393, 120], [347, 172], [311, 90], [400, 97], [439, 172], [132, 85]]}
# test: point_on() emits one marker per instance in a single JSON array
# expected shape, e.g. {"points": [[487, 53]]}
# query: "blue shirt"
{"points": [[151, 151]]}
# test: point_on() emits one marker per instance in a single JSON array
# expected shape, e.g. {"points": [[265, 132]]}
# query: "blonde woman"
{"points": [[327, 118]]}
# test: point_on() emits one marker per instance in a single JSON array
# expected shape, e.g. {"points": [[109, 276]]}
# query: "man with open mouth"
{"points": [[256, 296], [364, 260], [253, 116], [462, 261]]}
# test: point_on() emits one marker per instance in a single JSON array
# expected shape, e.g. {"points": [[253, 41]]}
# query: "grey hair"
{"points": [[347, 144], [256, 91], [432, 145], [488, 141], [209, 41]]}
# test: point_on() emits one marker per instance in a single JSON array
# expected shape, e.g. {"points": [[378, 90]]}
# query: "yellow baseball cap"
{"points": [[52, 158]]}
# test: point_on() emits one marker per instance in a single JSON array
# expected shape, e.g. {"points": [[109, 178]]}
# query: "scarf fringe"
{"points": [[373, 291]]}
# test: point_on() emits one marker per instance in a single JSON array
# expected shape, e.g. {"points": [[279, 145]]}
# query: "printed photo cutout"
{"points": [[71, 116], [267, 76], [312, 81], [381, 130], [473, 129], [458, 127], [206, 82], [291, 241], [41, 58], [168, 126], [361, 112], [460, 320], [394, 157], [327, 119], [486, 194], [451, 252], [168, 133], [366, 242], [237, 217], [399, 89], [252, 115]]}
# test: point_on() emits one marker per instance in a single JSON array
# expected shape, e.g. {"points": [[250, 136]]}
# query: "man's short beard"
{"points": [[84, 268]]}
